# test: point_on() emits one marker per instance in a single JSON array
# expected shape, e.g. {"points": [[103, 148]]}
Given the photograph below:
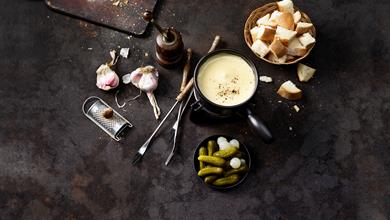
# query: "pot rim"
{"points": [[233, 52]]}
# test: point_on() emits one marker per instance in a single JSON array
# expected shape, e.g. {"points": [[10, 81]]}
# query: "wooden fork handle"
{"points": [[185, 91], [186, 69]]}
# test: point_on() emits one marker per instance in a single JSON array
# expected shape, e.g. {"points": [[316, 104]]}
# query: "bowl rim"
{"points": [[235, 53], [242, 147], [247, 28]]}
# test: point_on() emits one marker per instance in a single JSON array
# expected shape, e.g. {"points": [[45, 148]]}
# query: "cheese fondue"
{"points": [[226, 79]]}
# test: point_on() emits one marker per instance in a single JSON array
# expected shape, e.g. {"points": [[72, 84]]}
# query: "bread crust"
{"points": [[283, 92], [267, 33], [277, 48], [285, 20]]}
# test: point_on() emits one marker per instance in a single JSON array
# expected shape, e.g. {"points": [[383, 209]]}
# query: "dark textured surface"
{"points": [[55, 164], [125, 17]]}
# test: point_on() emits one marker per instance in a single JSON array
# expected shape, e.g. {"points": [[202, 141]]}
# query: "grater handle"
{"points": [[83, 108]]}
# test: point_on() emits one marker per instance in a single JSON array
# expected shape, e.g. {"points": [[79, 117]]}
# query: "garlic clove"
{"points": [[106, 78], [148, 82], [135, 77], [146, 79]]}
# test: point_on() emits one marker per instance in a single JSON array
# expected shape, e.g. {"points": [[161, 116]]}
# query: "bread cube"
{"points": [[285, 35], [303, 27], [306, 39], [277, 48], [286, 6], [260, 48], [295, 48]]}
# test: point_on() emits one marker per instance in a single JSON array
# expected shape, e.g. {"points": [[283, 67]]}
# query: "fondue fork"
{"points": [[141, 151], [175, 127]]}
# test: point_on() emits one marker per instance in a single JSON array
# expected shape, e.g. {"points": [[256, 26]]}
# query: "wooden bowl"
{"points": [[260, 12]]}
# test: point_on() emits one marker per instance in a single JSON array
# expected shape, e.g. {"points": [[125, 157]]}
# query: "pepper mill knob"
{"points": [[169, 43], [148, 16]]}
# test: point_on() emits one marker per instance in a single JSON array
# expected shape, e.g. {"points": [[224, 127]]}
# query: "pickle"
{"points": [[216, 161], [241, 170], [210, 179], [229, 180], [210, 170], [229, 152], [202, 152], [211, 147]]}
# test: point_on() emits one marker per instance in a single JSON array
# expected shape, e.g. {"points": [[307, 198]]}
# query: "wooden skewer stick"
{"points": [[186, 69], [189, 85], [186, 89], [215, 43]]}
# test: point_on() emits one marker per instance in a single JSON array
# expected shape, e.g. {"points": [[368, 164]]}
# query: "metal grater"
{"points": [[113, 126]]}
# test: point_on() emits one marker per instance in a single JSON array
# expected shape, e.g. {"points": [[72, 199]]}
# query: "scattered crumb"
{"points": [[120, 3], [280, 101], [265, 79], [90, 48], [146, 54], [124, 52], [290, 128], [296, 108]]}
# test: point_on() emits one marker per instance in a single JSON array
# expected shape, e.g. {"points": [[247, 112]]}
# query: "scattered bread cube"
{"points": [[305, 73], [288, 90], [265, 79], [266, 33], [306, 39], [276, 59], [277, 48], [303, 27], [260, 48], [285, 20], [286, 6], [296, 108], [297, 17], [285, 35], [263, 20], [255, 33], [295, 48]]}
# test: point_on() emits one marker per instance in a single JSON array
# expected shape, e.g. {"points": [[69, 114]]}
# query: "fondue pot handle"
{"points": [[259, 127]]}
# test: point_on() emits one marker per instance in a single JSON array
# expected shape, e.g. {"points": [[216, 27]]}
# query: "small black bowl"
{"points": [[242, 148]]}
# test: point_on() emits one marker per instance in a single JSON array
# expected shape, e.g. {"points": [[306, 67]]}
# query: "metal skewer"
{"points": [[141, 151], [175, 127]]}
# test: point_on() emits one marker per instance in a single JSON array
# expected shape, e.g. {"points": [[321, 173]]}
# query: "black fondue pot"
{"points": [[203, 107]]}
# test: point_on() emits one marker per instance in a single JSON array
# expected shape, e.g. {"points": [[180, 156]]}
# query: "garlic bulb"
{"points": [[106, 78], [146, 79]]}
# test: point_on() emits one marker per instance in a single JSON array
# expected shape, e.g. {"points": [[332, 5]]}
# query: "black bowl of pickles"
{"points": [[221, 162]]}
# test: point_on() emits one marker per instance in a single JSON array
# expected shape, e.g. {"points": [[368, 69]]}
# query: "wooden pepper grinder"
{"points": [[169, 44]]}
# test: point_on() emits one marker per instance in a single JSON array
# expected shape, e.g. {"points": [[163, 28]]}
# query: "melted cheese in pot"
{"points": [[226, 79]]}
